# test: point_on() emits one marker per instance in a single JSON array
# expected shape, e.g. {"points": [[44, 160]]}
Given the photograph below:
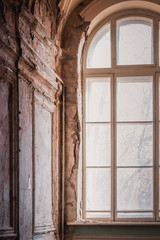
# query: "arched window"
{"points": [[121, 119]]}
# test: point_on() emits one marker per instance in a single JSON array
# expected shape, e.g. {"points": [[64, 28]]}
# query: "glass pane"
{"points": [[98, 145], [99, 53], [134, 144], [134, 189], [134, 41], [135, 215], [134, 99], [97, 99], [98, 189], [98, 214]]}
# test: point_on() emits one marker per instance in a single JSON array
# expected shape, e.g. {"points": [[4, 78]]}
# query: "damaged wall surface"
{"points": [[29, 105], [74, 38]]}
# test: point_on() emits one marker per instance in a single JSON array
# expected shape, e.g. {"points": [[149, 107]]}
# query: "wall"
{"points": [[75, 34], [35, 43], [71, 74], [29, 121]]}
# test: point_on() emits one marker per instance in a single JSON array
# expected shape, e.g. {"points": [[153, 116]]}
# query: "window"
{"points": [[121, 120]]}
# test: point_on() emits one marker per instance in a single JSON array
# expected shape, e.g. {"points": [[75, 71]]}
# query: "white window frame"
{"points": [[126, 70]]}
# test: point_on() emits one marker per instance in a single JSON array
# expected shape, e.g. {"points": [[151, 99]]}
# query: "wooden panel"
{"points": [[43, 161], [4, 155], [6, 161], [25, 161]]}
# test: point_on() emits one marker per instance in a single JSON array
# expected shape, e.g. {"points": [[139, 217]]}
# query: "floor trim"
{"points": [[117, 237]]}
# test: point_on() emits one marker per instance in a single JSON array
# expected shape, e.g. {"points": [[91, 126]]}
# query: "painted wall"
{"points": [[29, 108]]}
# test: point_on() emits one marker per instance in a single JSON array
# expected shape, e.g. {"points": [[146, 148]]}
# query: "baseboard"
{"points": [[117, 237]]}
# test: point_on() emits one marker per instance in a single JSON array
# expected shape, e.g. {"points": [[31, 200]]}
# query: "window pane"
{"points": [[97, 99], [135, 215], [98, 214], [134, 189], [98, 189], [134, 41], [98, 145], [134, 144], [99, 53], [134, 99]]}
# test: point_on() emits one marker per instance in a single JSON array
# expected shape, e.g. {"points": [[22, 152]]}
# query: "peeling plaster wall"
{"points": [[30, 177], [34, 43], [71, 74], [73, 39]]}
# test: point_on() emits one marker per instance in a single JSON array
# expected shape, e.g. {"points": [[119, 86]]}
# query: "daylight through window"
{"points": [[121, 119]]}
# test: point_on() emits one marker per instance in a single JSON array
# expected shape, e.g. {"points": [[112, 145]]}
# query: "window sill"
{"points": [[107, 223]]}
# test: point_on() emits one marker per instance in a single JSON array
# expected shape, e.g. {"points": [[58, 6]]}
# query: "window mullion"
{"points": [[113, 150], [155, 189], [156, 41]]}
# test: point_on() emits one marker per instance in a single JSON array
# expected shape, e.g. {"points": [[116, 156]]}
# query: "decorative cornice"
{"points": [[44, 102], [64, 6], [50, 71], [93, 9]]}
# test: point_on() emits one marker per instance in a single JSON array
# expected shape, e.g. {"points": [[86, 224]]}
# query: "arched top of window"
{"points": [[124, 40], [99, 52]]}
